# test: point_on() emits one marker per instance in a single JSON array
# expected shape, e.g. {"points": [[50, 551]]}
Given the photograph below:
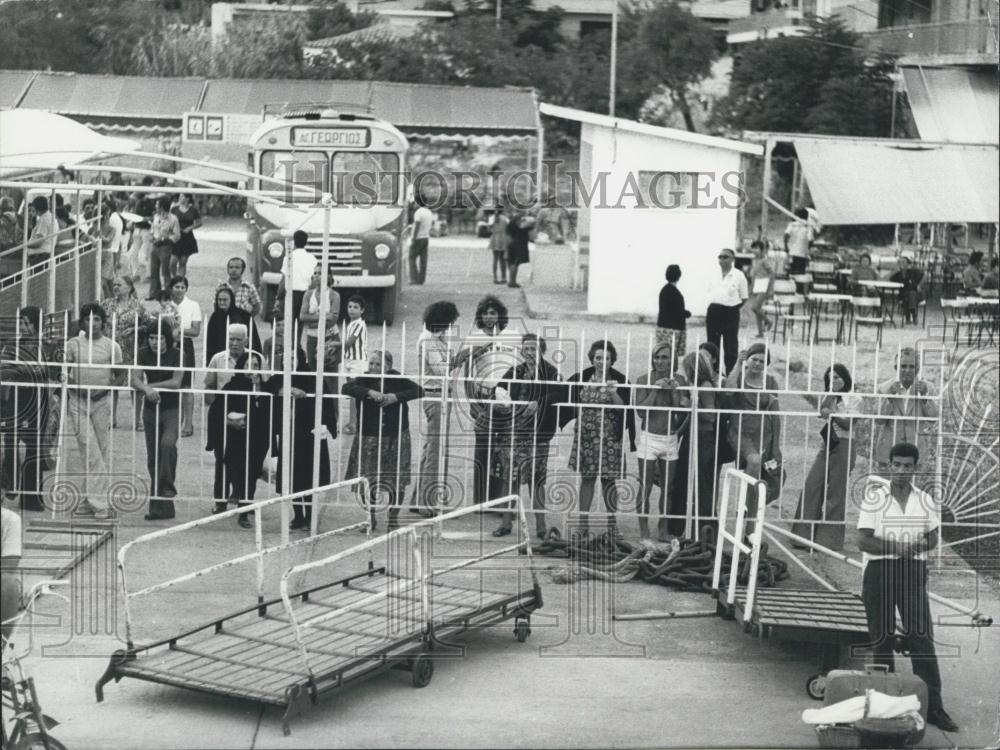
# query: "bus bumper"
{"points": [[379, 281]]}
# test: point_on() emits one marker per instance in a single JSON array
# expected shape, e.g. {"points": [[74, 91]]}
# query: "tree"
{"points": [[663, 48], [820, 82]]}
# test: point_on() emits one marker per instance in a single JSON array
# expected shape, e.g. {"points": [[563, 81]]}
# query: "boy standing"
{"points": [[355, 348]]}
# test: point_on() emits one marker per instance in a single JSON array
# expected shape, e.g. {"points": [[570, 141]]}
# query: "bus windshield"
{"points": [[299, 167], [364, 177]]}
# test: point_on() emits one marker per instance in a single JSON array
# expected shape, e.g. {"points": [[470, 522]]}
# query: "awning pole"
{"points": [[768, 148]]}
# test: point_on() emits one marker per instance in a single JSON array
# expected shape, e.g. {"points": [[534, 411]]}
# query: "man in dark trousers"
{"points": [[726, 295], [899, 524]]}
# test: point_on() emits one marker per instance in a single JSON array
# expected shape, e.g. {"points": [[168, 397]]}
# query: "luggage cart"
{"points": [[831, 618], [289, 651]]}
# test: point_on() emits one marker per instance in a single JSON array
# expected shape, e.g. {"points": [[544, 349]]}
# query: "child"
{"points": [[355, 348]]}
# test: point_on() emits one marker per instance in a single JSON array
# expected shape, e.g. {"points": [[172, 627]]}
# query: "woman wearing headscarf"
{"points": [[598, 437], [246, 406], [754, 434], [303, 436], [226, 313], [518, 236], [657, 446], [380, 451], [824, 496], [698, 368]]}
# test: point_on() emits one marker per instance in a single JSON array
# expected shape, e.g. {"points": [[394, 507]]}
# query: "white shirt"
{"points": [[303, 265], [10, 534], [799, 235], [221, 369], [502, 353], [113, 233], [358, 351], [883, 514], [423, 220], [190, 311], [729, 290]]}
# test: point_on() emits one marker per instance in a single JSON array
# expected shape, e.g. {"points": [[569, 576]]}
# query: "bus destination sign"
{"points": [[331, 137]]}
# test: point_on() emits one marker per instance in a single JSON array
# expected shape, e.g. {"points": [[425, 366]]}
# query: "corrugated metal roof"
{"points": [[406, 106], [12, 83], [113, 96], [854, 182], [955, 104]]}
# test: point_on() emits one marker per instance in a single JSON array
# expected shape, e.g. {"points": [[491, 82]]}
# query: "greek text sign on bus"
{"points": [[360, 161]]}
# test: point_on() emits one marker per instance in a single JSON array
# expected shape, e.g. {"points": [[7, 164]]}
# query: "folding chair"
{"points": [[868, 311], [824, 274], [783, 307]]}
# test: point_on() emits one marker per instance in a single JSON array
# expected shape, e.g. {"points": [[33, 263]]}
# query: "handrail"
{"points": [[259, 553], [736, 538], [423, 572]]}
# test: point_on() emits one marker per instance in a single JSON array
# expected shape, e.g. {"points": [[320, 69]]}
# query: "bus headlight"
{"points": [[275, 249], [382, 251]]}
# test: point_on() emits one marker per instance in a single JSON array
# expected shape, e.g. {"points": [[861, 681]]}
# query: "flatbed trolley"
{"points": [[289, 651], [834, 619]]}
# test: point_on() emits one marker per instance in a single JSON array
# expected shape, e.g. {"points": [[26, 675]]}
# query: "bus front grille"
{"points": [[345, 254]]}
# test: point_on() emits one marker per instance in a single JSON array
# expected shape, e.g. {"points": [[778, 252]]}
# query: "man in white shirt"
{"points": [[44, 235], [726, 296], [303, 263], [898, 525], [423, 220], [798, 237], [10, 558], [220, 370]]}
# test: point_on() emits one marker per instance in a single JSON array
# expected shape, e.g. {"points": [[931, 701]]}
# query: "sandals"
{"points": [[502, 531], [350, 429], [188, 432]]}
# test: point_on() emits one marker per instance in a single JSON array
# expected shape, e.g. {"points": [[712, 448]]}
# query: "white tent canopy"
{"points": [[32, 141]]}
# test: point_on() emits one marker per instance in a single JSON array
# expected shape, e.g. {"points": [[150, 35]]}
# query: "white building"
{"points": [[657, 196]]}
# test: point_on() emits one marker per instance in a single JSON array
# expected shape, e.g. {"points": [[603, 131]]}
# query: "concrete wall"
{"points": [[631, 247]]}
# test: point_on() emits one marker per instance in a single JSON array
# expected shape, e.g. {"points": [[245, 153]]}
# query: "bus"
{"points": [[360, 161]]}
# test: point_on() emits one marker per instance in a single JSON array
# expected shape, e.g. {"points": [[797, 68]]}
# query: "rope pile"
{"points": [[683, 564]]}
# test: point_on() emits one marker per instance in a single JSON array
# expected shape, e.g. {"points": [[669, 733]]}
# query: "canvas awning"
{"points": [[881, 182], [211, 173], [32, 141], [954, 104]]}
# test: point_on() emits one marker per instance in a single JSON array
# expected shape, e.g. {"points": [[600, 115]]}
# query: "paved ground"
{"points": [[683, 683]]}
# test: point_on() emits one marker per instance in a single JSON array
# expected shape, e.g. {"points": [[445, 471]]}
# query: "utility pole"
{"points": [[499, 6], [614, 57]]}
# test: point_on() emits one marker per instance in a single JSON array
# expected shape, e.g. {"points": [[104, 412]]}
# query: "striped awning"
{"points": [[879, 182]]}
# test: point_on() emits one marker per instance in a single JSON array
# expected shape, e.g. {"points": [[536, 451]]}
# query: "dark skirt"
{"points": [[385, 462], [186, 246]]}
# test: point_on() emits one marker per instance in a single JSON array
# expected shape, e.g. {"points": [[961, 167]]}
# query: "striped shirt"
{"points": [[358, 351]]}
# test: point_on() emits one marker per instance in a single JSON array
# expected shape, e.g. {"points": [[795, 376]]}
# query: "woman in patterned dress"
{"points": [[597, 450], [128, 320]]}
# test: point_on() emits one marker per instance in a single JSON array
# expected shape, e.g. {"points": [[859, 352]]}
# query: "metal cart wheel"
{"points": [[422, 671], [816, 686], [522, 630]]}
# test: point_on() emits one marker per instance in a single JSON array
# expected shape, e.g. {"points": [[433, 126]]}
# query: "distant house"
{"points": [[647, 197], [768, 19]]}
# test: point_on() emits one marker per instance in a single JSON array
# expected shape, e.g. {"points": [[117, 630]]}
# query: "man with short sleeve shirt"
{"points": [[798, 237], [423, 220], [726, 296], [303, 264], [899, 524]]}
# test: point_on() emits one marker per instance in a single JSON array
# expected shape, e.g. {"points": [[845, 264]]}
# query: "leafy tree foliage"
{"points": [[664, 49], [821, 82]]}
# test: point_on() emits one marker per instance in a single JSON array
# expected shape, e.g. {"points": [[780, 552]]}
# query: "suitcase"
{"points": [[842, 684]]}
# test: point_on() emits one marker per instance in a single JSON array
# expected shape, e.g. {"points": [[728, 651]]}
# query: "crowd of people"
{"points": [[684, 404]]}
